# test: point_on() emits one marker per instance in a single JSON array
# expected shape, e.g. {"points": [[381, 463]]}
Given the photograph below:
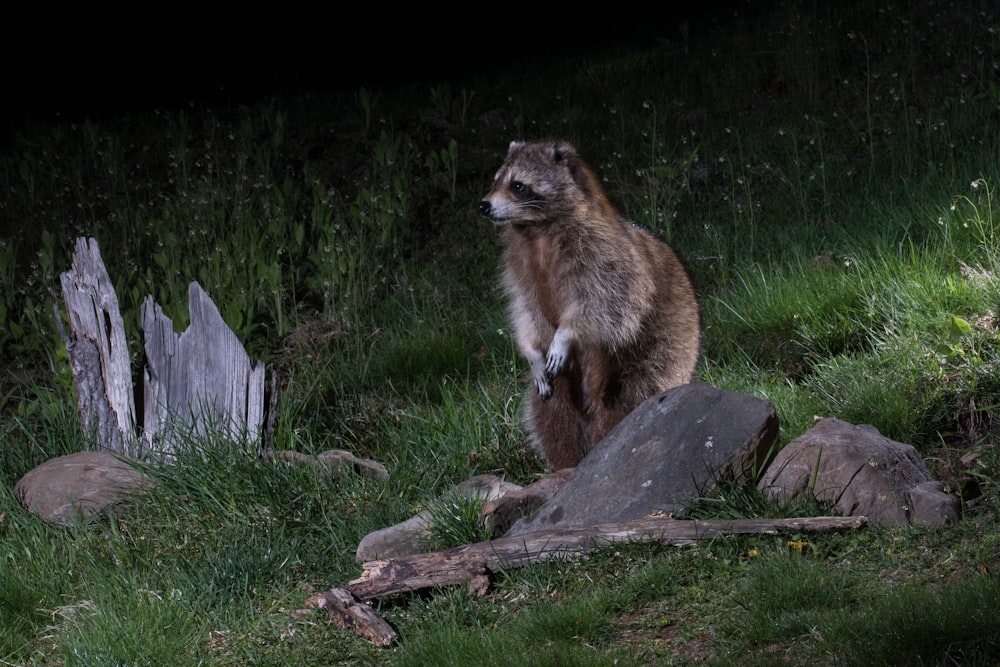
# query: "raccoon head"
{"points": [[539, 181]]}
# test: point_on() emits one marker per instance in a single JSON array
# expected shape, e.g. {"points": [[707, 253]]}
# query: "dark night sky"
{"points": [[103, 67]]}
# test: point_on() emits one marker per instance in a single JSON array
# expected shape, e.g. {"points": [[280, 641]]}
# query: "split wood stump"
{"points": [[98, 353], [197, 381]]}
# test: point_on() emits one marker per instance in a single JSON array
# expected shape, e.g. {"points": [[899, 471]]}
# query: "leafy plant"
{"points": [[443, 166]]}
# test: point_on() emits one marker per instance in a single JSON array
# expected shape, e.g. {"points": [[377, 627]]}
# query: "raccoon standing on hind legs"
{"points": [[603, 311]]}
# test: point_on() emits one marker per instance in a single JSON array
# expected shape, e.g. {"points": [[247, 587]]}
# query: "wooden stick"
{"points": [[469, 563], [347, 612]]}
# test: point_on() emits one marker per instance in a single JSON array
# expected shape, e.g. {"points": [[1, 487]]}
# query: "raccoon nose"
{"points": [[483, 207]]}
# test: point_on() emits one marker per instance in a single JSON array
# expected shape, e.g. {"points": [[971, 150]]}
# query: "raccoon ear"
{"points": [[563, 150], [513, 145], [566, 154]]}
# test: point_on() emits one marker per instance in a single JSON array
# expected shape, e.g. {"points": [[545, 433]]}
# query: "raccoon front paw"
{"points": [[558, 354], [536, 360], [544, 387], [554, 364]]}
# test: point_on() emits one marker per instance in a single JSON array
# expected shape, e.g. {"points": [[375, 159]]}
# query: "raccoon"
{"points": [[604, 312]]}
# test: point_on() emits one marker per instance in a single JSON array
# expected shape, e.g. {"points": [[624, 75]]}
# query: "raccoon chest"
{"points": [[542, 280]]}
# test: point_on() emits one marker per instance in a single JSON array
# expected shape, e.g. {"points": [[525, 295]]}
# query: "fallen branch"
{"points": [[472, 562], [347, 612]]}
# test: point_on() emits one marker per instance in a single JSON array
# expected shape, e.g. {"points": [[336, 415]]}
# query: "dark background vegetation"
{"points": [[101, 67]]}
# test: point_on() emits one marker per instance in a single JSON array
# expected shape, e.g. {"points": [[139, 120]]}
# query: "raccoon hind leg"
{"points": [[557, 426], [605, 417], [606, 398]]}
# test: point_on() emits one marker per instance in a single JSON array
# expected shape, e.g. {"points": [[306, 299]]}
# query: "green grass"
{"points": [[828, 174]]}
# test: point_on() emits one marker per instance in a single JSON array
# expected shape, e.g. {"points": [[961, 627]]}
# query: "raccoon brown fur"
{"points": [[604, 312]]}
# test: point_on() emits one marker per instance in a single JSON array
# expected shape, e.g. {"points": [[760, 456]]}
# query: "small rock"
{"points": [[409, 537], [862, 473], [79, 487], [499, 514]]}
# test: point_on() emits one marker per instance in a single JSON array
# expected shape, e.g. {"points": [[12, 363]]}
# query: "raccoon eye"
{"points": [[517, 187]]}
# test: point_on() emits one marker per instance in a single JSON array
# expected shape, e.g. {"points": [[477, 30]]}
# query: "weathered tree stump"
{"points": [[199, 380], [98, 353]]}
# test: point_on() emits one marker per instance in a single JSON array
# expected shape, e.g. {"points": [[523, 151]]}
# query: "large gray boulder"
{"points": [[860, 472], [79, 487], [669, 449]]}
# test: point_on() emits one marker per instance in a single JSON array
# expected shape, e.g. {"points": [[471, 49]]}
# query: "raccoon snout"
{"points": [[484, 208]]}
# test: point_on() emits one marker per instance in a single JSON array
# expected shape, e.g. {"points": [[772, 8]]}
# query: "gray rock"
{"points": [[667, 450], [410, 536], [79, 487], [499, 514], [861, 472], [402, 539]]}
